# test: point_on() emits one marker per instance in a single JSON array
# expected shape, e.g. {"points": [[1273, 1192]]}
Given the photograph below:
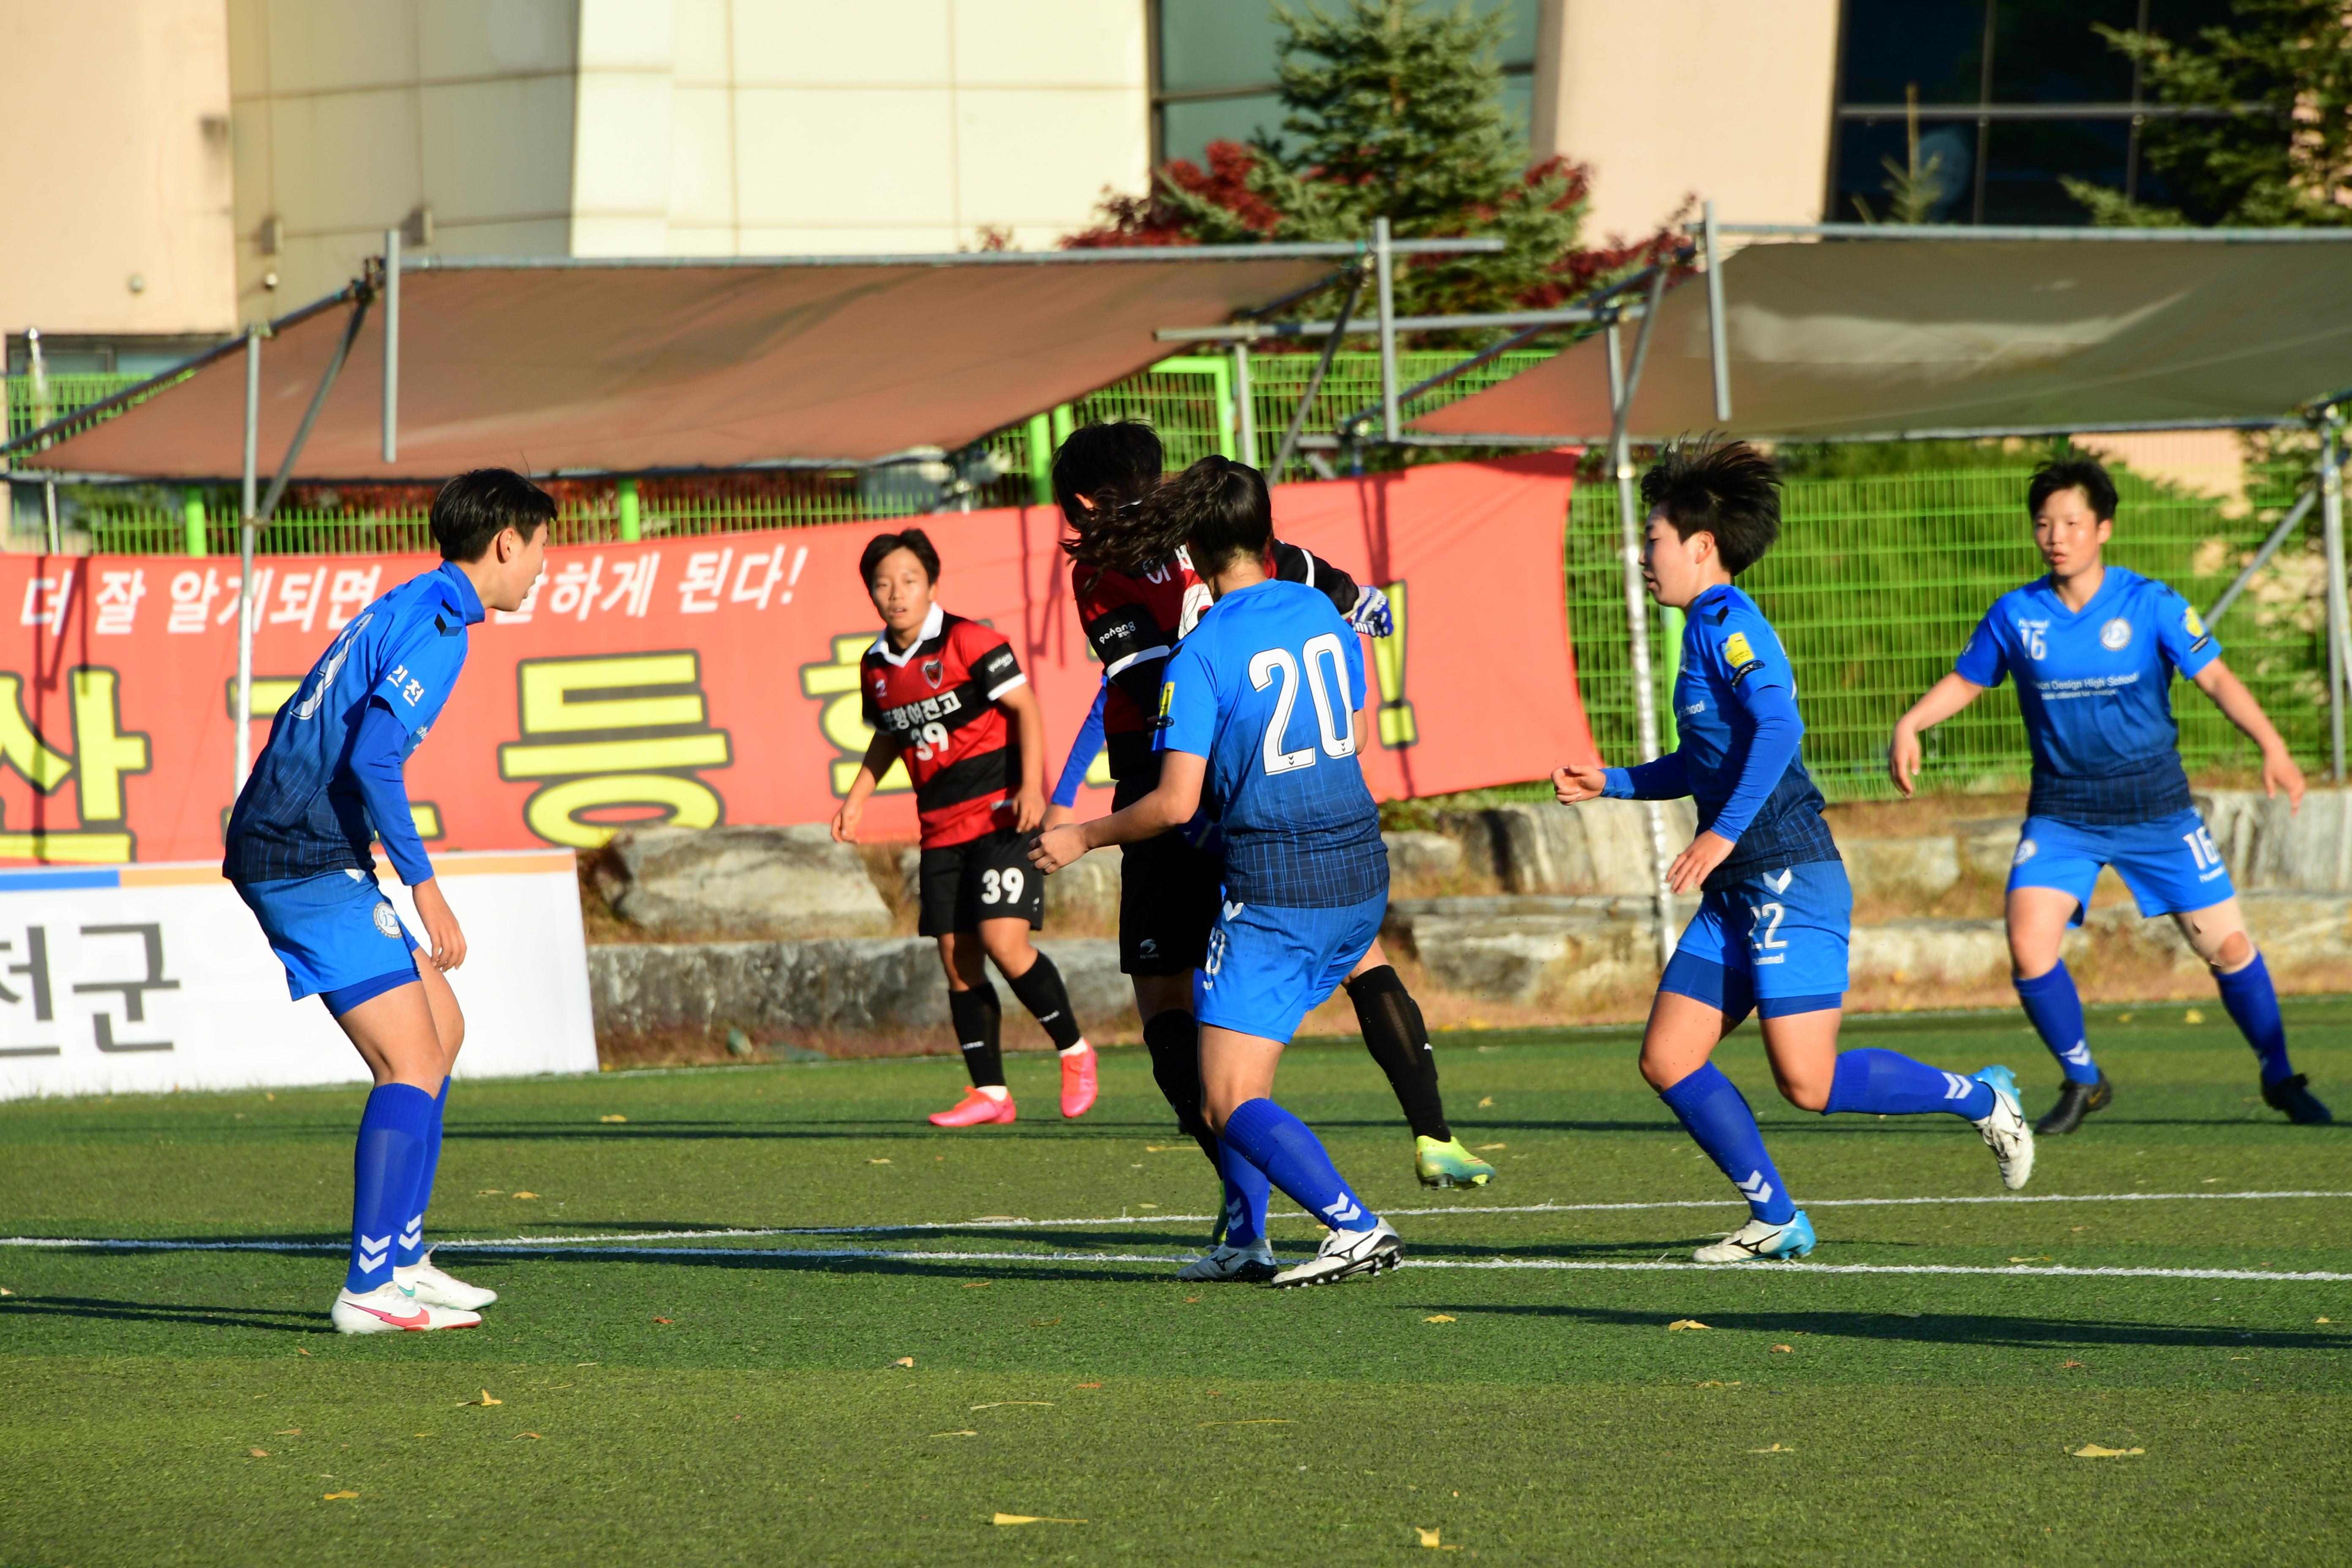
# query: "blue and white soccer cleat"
{"points": [[1227, 1264], [2006, 1132], [1760, 1241]]}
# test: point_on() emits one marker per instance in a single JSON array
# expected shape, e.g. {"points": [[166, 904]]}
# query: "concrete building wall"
{"points": [[115, 157], [1722, 99]]}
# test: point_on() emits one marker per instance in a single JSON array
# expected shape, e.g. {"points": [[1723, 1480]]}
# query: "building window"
{"points": [[2013, 96], [1212, 72]]}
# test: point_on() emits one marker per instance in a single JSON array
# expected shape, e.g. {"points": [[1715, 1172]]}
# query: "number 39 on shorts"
{"points": [[1002, 886]]}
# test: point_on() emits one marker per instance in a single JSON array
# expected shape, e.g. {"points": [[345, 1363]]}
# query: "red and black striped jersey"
{"points": [[1134, 622], [939, 701]]}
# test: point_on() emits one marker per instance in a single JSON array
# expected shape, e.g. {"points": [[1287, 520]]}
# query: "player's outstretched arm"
{"points": [[1029, 727], [376, 765], [1579, 782], [2238, 705], [1172, 804], [880, 752], [1944, 699]]}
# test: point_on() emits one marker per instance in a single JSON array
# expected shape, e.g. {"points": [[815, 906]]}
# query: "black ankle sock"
{"points": [[1173, 1038], [979, 1018], [1041, 990], [1399, 1041]]}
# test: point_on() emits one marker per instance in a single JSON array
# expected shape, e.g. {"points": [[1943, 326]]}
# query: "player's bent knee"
{"points": [[1813, 1097], [2236, 952]]}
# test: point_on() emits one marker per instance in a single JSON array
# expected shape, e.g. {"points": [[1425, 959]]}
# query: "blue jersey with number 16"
{"points": [[1263, 689]]}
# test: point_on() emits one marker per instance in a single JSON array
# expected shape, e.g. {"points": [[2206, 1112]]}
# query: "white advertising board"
{"points": [[138, 979]]}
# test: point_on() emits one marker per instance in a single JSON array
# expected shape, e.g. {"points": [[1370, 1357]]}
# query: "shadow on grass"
{"points": [[276, 1320], [1939, 1328]]}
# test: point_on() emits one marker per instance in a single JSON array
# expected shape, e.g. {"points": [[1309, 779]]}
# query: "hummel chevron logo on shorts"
{"points": [[1233, 909], [1756, 1189], [1780, 884]]}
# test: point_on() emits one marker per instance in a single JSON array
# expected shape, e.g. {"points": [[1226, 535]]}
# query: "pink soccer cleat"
{"points": [[1078, 1080], [978, 1109]]}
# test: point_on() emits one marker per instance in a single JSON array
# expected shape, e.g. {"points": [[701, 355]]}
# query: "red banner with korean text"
{"points": [[714, 680]]}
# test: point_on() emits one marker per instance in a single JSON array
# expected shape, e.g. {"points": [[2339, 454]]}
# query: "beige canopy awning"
{"points": [[1924, 337], [631, 366]]}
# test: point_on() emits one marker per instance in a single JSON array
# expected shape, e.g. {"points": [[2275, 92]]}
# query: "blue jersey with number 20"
{"points": [[1264, 689]]}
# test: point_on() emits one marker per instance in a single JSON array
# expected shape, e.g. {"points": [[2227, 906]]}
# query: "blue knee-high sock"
{"points": [[2253, 1003], [412, 1247], [393, 1133], [1246, 1190], [2055, 1010], [1716, 1114], [1279, 1144], [1889, 1083]]}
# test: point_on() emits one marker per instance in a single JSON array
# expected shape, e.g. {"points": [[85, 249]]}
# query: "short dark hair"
{"points": [[1217, 510], [2082, 474], [1112, 465], [476, 507], [1727, 489], [912, 540]]}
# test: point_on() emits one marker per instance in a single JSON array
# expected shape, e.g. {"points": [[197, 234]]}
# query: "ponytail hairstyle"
{"points": [[1111, 466]]}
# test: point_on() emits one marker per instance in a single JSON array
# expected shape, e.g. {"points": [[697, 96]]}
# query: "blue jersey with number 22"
{"points": [[1263, 689]]}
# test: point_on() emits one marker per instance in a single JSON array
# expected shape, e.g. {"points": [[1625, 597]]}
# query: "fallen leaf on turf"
{"points": [[1429, 1538], [1031, 1519], [1774, 1448], [2123, 1018], [1790, 1350], [331, 1497], [1486, 1102], [301, 1352], [904, 1360], [1684, 1323], [2192, 1016], [2043, 1259], [1439, 1318], [484, 1400], [1043, 1322], [884, 1161], [491, 1192], [1483, 1148], [6, 1291], [526, 1196], [977, 1284], [955, 1434], [1157, 1148], [998, 1403], [289, 1431], [661, 1319], [1258, 1421], [2314, 1320], [1098, 1385], [259, 1453], [2065, 1364], [1734, 1384], [2093, 1451], [531, 1435], [612, 1118], [1191, 1298]]}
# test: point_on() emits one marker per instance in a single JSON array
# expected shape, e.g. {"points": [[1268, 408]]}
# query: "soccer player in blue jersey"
{"points": [[1771, 932], [325, 787], [1257, 724], [2094, 649]]}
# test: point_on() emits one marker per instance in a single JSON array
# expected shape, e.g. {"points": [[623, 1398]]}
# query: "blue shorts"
{"points": [[1269, 965], [1774, 944], [337, 935], [2170, 864]]}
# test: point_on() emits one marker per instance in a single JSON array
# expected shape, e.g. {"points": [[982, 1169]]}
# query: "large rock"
{"points": [[1525, 950], [1924, 952], [2267, 845], [2291, 928], [1600, 846], [1912, 870], [789, 882], [1988, 845], [1422, 857], [779, 990]]}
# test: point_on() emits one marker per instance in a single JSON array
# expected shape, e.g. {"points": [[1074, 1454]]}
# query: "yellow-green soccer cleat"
{"points": [[1449, 1164]]}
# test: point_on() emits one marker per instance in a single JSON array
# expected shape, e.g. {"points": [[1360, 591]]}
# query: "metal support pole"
{"points": [[2340, 622], [1623, 382], [310, 414], [1315, 381], [1244, 406], [628, 504], [1384, 266], [49, 504], [244, 531], [1718, 330], [391, 346], [2286, 525]]}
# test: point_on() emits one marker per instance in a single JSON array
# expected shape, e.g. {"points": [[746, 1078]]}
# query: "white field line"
{"points": [[606, 1242]]}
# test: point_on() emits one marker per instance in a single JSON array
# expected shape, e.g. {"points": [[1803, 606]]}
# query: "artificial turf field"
{"points": [[723, 1399]]}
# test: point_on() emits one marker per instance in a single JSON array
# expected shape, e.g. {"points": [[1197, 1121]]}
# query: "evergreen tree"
{"points": [[2279, 151], [1391, 109]]}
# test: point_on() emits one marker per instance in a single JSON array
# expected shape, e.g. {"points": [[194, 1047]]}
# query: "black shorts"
{"points": [[984, 878], [1168, 894]]}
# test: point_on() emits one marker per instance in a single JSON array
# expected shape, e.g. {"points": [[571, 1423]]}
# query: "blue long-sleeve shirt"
{"points": [[1740, 757], [328, 781], [1083, 752]]}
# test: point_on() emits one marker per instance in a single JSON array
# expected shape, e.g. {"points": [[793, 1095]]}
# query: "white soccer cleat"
{"points": [[1345, 1253], [430, 1284], [1228, 1263], [2006, 1132], [389, 1310], [1759, 1240]]}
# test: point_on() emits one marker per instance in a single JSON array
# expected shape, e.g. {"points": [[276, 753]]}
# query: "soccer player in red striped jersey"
{"points": [[1169, 887], [947, 696]]}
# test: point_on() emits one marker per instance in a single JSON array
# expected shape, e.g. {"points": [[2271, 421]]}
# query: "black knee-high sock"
{"points": [[1399, 1041], [1041, 990], [979, 1018], [1173, 1038]]}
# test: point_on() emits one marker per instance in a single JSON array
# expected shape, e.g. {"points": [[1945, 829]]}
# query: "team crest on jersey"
{"points": [[386, 921], [934, 671], [2115, 634]]}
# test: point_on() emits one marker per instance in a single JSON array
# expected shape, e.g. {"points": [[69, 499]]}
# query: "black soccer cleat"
{"points": [[2075, 1101], [2294, 1096]]}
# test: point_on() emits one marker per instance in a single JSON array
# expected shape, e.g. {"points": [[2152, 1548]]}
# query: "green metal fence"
{"points": [[1876, 582], [30, 406]]}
